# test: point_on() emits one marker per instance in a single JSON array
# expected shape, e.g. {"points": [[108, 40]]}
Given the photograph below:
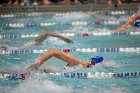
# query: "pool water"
{"points": [[115, 62]]}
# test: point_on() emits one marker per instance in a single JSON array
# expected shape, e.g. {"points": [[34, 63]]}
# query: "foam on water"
{"points": [[38, 85], [111, 63], [47, 86], [123, 18], [113, 89], [77, 29], [102, 30], [72, 15], [102, 17], [54, 41]]}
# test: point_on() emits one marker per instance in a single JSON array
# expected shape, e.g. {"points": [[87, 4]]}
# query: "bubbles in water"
{"points": [[102, 30], [123, 18], [72, 15], [115, 89], [54, 41], [111, 64], [102, 17], [13, 69], [95, 89], [41, 86]]}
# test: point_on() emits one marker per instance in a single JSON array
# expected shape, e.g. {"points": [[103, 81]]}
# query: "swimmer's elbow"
{"points": [[49, 33]]}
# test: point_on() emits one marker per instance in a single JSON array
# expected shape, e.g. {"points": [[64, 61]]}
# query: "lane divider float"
{"points": [[75, 23], [31, 14], [80, 75], [86, 50], [72, 34]]}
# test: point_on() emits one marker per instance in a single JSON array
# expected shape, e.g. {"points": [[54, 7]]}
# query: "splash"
{"points": [[113, 89], [72, 15], [54, 41], [111, 63], [123, 18], [47, 86], [41, 86], [116, 89], [102, 30], [102, 17]]}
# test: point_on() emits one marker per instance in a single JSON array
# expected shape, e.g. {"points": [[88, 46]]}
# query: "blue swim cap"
{"points": [[97, 59], [136, 23]]}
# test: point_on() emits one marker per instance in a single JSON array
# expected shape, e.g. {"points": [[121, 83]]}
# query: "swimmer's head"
{"points": [[94, 61], [4, 47], [136, 23]]}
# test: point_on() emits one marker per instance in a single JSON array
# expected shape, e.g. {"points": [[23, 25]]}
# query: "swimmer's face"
{"points": [[3, 48], [89, 64]]}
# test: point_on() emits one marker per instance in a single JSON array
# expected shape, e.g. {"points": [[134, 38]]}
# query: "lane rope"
{"points": [[72, 34], [23, 15], [86, 50], [74, 23], [81, 75]]}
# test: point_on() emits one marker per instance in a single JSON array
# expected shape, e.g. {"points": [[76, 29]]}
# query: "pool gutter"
{"points": [[66, 8]]}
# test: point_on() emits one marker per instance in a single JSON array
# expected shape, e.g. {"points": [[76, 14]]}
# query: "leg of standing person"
{"points": [[65, 2], [17, 2], [35, 3], [76, 1], [10, 2], [46, 2], [119, 2], [109, 2]]}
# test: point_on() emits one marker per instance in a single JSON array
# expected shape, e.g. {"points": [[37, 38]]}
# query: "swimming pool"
{"points": [[92, 37]]}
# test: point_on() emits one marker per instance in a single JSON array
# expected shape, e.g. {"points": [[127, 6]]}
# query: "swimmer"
{"points": [[134, 20], [37, 41], [68, 58]]}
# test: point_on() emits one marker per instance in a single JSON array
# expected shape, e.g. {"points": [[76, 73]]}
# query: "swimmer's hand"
{"points": [[68, 40], [33, 66]]}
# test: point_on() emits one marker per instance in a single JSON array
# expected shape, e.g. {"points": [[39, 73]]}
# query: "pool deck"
{"points": [[66, 8]]}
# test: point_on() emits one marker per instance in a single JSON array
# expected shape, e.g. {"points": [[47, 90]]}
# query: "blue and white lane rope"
{"points": [[23, 15], [85, 34], [26, 15], [86, 50], [80, 75], [74, 23], [118, 12]]}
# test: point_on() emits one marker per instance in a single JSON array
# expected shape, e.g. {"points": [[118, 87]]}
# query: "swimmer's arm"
{"points": [[123, 27], [43, 36], [126, 25], [129, 23]]}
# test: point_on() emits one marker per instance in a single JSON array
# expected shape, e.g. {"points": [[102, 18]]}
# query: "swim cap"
{"points": [[136, 23], [97, 59]]}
